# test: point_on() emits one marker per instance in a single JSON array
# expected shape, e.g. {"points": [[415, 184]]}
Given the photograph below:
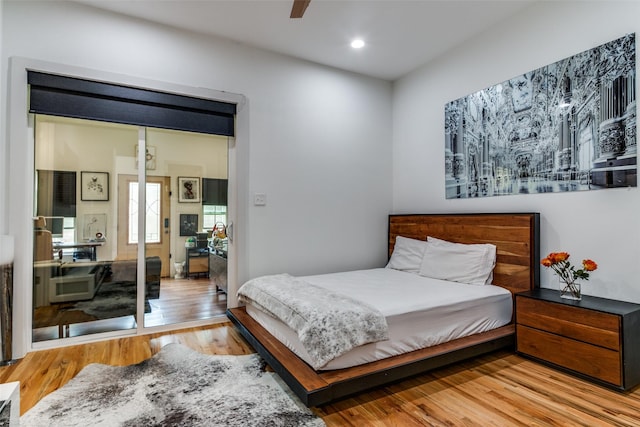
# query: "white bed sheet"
{"points": [[420, 312]]}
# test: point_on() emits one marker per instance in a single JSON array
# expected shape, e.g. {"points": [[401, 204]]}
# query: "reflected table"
{"points": [[80, 245]]}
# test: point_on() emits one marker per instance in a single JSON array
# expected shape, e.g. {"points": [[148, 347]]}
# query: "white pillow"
{"points": [[458, 262], [407, 254]]}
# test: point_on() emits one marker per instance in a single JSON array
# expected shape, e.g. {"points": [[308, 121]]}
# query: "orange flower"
{"points": [[559, 263], [554, 258], [559, 256], [589, 265]]}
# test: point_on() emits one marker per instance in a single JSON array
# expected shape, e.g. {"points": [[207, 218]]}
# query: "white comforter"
{"points": [[328, 324], [420, 311], [396, 292]]}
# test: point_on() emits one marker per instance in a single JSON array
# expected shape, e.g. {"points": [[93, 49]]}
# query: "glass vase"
{"points": [[571, 291]]}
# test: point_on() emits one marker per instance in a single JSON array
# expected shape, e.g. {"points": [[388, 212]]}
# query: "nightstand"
{"points": [[596, 338], [197, 262]]}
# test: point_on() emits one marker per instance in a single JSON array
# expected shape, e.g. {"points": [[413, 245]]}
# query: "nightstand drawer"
{"points": [[601, 329], [578, 356], [199, 265]]}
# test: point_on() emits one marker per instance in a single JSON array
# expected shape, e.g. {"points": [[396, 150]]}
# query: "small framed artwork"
{"points": [[188, 189], [188, 224], [94, 186], [150, 157], [95, 227]]}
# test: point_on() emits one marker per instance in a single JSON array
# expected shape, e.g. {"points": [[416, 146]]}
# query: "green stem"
{"points": [[564, 274], [573, 288]]}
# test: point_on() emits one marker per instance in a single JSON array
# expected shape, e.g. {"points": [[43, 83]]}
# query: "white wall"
{"points": [[319, 139], [603, 225], [317, 135]]}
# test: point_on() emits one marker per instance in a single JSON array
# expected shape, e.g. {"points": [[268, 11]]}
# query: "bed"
{"points": [[516, 240]]}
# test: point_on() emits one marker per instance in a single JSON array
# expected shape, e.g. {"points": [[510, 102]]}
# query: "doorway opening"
{"points": [[87, 227]]}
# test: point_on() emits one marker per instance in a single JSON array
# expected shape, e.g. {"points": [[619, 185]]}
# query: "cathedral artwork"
{"points": [[568, 126]]}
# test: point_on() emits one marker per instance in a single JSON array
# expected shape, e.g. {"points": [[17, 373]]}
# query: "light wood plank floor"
{"points": [[500, 389], [185, 300], [181, 300]]}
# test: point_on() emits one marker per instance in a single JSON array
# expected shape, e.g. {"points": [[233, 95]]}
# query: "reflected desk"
{"points": [[80, 245]]}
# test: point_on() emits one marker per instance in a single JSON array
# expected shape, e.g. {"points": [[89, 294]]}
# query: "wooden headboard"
{"points": [[516, 236]]}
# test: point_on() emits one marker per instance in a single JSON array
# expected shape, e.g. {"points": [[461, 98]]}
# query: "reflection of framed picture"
{"points": [[188, 224], [94, 186], [95, 227], [150, 157], [188, 189]]}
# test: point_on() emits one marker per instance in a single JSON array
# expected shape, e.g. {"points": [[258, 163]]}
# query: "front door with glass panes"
{"points": [[157, 219]]}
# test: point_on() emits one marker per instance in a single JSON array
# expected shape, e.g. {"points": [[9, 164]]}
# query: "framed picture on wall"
{"points": [[150, 157], [188, 189], [94, 186], [188, 224], [95, 227]]}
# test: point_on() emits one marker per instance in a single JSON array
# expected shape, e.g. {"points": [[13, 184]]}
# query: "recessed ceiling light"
{"points": [[357, 44]]}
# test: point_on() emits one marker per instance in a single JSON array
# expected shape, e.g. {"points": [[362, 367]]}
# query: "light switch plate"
{"points": [[259, 199]]}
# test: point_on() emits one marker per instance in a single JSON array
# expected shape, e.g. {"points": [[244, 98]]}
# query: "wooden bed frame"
{"points": [[517, 238]]}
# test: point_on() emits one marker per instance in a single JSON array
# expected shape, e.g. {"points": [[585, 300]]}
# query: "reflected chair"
{"points": [[42, 240]]}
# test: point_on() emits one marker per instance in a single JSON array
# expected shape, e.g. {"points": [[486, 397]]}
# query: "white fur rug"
{"points": [[176, 387]]}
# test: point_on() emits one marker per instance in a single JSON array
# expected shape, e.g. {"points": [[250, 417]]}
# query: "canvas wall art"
{"points": [[568, 126]]}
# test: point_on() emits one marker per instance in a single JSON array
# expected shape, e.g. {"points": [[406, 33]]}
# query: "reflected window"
{"points": [[152, 213], [212, 215]]}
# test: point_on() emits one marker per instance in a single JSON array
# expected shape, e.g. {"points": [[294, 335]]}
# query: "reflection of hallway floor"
{"points": [[540, 185], [83, 328], [181, 300], [185, 300]]}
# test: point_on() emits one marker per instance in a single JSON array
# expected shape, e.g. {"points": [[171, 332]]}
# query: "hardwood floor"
{"points": [[500, 389], [184, 300], [41, 372], [181, 300]]}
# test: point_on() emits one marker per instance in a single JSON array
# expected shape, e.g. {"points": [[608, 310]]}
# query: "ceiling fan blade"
{"points": [[299, 6]]}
